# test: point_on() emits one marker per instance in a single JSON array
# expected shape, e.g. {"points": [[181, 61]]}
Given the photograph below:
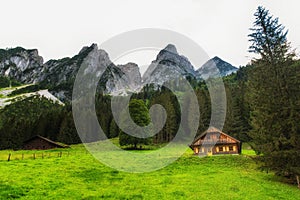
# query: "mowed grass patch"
{"points": [[81, 176]]}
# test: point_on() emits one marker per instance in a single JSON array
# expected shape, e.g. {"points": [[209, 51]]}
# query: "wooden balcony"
{"points": [[212, 142]]}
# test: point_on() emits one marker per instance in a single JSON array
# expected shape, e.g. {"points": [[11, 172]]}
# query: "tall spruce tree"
{"points": [[275, 129]]}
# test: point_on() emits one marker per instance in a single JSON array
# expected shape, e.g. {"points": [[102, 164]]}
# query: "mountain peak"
{"points": [[85, 48], [168, 65], [171, 48], [216, 58], [216, 67]]}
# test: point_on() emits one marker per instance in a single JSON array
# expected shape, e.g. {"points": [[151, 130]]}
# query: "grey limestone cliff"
{"points": [[167, 66], [21, 64]]}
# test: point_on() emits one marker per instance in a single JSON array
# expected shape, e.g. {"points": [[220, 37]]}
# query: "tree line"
{"points": [[36, 115]]}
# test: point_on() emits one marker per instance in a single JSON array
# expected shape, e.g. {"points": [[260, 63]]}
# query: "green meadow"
{"points": [[75, 174]]}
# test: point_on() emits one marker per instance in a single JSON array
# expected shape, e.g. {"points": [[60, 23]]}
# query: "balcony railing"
{"points": [[220, 141]]}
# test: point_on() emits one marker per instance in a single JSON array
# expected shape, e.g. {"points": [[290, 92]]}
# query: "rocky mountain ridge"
{"points": [[58, 76]]}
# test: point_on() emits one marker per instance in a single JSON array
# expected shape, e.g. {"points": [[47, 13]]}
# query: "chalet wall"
{"points": [[219, 149], [226, 149], [216, 142]]}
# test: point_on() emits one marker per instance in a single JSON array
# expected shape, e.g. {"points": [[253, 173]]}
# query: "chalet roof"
{"points": [[48, 140], [213, 130]]}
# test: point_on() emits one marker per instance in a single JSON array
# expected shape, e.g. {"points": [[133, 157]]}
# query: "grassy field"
{"points": [[78, 175]]}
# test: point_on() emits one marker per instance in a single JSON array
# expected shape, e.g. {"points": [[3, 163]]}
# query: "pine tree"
{"points": [[268, 38], [273, 118]]}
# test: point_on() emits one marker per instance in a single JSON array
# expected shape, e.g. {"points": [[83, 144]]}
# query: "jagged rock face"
{"points": [[167, 66], [132, 75], [58, 76], [115, 80], [21, 64], [58, 72], [215, 67], [27, 66]]}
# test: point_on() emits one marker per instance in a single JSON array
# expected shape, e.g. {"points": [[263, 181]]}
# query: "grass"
{"points": [[247, 150], [81, 176]]}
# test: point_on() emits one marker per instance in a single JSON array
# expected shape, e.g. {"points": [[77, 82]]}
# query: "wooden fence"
{"points": [[38, 155]]}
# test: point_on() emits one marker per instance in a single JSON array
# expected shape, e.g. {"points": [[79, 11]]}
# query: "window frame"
{"points": [[221, 149]]}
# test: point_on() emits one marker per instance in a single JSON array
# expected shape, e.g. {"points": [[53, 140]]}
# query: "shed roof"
{"points": [[48, 140]]}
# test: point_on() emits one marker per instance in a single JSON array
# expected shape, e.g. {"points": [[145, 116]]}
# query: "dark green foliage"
{"points": [[238, 109], [67, 132], [274, 96], [4, 53], [104, 114], [140, 115], [147, 92], [26, 118], [4, 82], [237, 116], [169, 101], [139, 112], [205, 108], [7, 82], [39, 116], [28, 89], [113, 129], [36, 116], [275, 116], [268, 38]]}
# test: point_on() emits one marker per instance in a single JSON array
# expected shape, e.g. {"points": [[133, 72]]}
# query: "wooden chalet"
{"points": [[214, 142], [41, 143]]}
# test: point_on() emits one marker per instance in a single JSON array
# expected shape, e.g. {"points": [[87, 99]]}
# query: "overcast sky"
{"points": [[61, 28]]}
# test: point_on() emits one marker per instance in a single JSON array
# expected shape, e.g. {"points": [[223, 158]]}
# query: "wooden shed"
{"points": [[214, 142], [41, 143]]}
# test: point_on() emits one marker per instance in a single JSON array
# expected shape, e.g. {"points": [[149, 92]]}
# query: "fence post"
{"points": [[8, 159]]}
